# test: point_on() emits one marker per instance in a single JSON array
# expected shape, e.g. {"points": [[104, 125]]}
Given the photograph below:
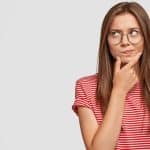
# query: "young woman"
{"points": [[113, 105]]}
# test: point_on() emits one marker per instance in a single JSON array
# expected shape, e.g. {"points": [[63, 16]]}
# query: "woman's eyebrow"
{"points": [[118, 30], [134, 28]]}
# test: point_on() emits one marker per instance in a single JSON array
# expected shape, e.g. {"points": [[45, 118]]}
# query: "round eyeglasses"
{"points": [[115, 36]]}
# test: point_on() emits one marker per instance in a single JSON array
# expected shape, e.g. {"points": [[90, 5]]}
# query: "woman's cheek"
{"points": [[114, 54]]}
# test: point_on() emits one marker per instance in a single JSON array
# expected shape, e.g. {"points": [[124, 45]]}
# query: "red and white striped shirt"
{"points": [[135, 121]]}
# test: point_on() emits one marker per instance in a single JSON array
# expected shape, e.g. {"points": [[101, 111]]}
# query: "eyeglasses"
{"points": [[134, 36]]}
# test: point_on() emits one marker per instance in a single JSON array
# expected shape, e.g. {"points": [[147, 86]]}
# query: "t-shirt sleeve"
{"points": [[81, 97]]}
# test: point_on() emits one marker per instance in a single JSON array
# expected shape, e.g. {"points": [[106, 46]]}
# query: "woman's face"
{"points": [[125, 38]]}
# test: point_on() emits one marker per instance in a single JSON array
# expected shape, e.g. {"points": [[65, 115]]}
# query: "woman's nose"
{"points": [[125, 40]]}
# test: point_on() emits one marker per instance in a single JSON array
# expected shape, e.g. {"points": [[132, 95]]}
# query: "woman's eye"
{"points": [[114, 33], [134, 33]]}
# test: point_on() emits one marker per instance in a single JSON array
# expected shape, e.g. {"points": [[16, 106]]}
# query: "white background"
{"points": [[45, 46]]}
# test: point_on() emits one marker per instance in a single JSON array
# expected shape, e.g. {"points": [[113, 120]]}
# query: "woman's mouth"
{"points": [[128, 52]]}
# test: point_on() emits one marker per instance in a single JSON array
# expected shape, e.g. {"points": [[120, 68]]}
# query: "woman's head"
{"points": [[125, 32], [133, 26], [125, 38]]}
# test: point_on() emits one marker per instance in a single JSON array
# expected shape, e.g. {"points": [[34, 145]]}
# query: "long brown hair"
{"points": [[106, 61]]}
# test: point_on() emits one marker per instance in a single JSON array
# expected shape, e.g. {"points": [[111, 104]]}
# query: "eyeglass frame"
{"points": [[127, 34]]}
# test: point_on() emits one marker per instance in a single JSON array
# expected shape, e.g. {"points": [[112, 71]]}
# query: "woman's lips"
{"points": [[127, 52]]}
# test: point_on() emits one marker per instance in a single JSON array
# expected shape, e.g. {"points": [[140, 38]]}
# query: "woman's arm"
{"points": [[103, 137]]}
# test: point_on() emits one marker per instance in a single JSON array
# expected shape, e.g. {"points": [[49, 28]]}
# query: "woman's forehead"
{"points": [[124, 22]]}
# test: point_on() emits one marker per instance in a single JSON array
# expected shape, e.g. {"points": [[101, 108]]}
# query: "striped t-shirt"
{"points": [[135, 121]]}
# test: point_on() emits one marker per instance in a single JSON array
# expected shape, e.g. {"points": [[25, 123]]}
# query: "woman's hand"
{"points": [[124, 78]]}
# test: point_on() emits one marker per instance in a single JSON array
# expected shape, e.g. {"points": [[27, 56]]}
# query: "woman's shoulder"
{"points": [[88, 79], [87, 83]]}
